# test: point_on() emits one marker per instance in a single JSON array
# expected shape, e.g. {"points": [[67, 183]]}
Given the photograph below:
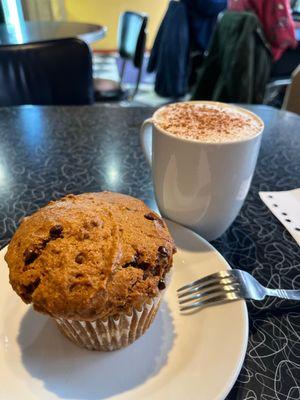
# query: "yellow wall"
{"points": [[106, 12]]}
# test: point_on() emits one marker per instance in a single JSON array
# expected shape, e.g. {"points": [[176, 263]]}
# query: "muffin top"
{"points": [[90, 256]]}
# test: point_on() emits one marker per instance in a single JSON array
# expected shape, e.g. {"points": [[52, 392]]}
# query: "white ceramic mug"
{"points": [[198, 184]]}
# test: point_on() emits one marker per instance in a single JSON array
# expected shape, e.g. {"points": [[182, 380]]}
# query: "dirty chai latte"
{"points": [[207, 122]]}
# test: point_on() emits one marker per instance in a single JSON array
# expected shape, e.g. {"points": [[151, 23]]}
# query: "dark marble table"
{"points": [[39, 31], [46, 152]]}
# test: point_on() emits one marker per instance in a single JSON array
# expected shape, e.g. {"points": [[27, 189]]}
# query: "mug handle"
{"points": [[146, 139]]}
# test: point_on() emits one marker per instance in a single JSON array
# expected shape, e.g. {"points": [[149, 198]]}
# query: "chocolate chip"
{"points": [[94, 222], [151, 216], [30, 255], [131, 263], [156, 270], [135, 264], [144, 266], [145, 275], [43, 243], [29, 289], [161, 285], [80, 258], [56, 231], [163, 251]]}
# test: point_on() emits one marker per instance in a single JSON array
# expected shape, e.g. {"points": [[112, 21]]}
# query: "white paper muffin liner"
{"points": [[110, 334], [113, 333]]}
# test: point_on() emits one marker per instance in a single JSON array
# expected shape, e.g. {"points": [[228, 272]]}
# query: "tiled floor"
{"points": [[107, 67]]}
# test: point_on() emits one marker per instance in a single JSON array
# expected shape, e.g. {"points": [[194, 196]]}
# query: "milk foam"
{"points": [[208, 122]]}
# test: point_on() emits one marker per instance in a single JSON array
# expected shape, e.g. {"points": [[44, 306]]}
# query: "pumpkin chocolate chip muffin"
{"points": [[97, 263]]}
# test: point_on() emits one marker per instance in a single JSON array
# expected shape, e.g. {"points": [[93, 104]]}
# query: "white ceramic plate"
{"points": [[180, 357]]}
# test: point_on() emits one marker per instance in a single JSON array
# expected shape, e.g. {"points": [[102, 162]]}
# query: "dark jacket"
{"points": [[202, 20], [170, 52], [238, 63]]}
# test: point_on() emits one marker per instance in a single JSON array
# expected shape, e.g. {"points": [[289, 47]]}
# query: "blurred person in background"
{"points": [[278, 26], [180, 43], [202, 15]]}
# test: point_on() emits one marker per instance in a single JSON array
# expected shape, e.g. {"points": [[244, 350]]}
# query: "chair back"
{"points": [[132, 36], [46, 73], [291, 98]]}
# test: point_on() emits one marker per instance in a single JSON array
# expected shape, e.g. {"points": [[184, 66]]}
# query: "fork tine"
{"points": [[219, 275], [220, 298], [211, 291], [207, 284]]}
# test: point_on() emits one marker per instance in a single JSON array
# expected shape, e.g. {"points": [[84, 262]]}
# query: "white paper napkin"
{"points": [[286, 207]]}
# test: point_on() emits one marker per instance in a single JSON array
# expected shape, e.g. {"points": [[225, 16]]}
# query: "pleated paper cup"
{"points": [[112, 333]]}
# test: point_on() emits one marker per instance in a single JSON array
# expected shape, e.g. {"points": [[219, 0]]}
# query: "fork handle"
{"points": [[284, 294]]}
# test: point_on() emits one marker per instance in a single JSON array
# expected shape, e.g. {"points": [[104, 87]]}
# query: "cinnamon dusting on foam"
{"points": [[207, 122]]}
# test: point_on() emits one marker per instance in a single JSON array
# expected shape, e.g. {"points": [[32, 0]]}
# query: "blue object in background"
{"points": [[170, 52], [202, 19]]}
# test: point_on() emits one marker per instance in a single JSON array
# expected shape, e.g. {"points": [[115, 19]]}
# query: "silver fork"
{"points": [[226, 286]]}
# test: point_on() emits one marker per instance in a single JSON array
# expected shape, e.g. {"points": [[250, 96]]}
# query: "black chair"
{"points": [[131, 47], [46, 73]]}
